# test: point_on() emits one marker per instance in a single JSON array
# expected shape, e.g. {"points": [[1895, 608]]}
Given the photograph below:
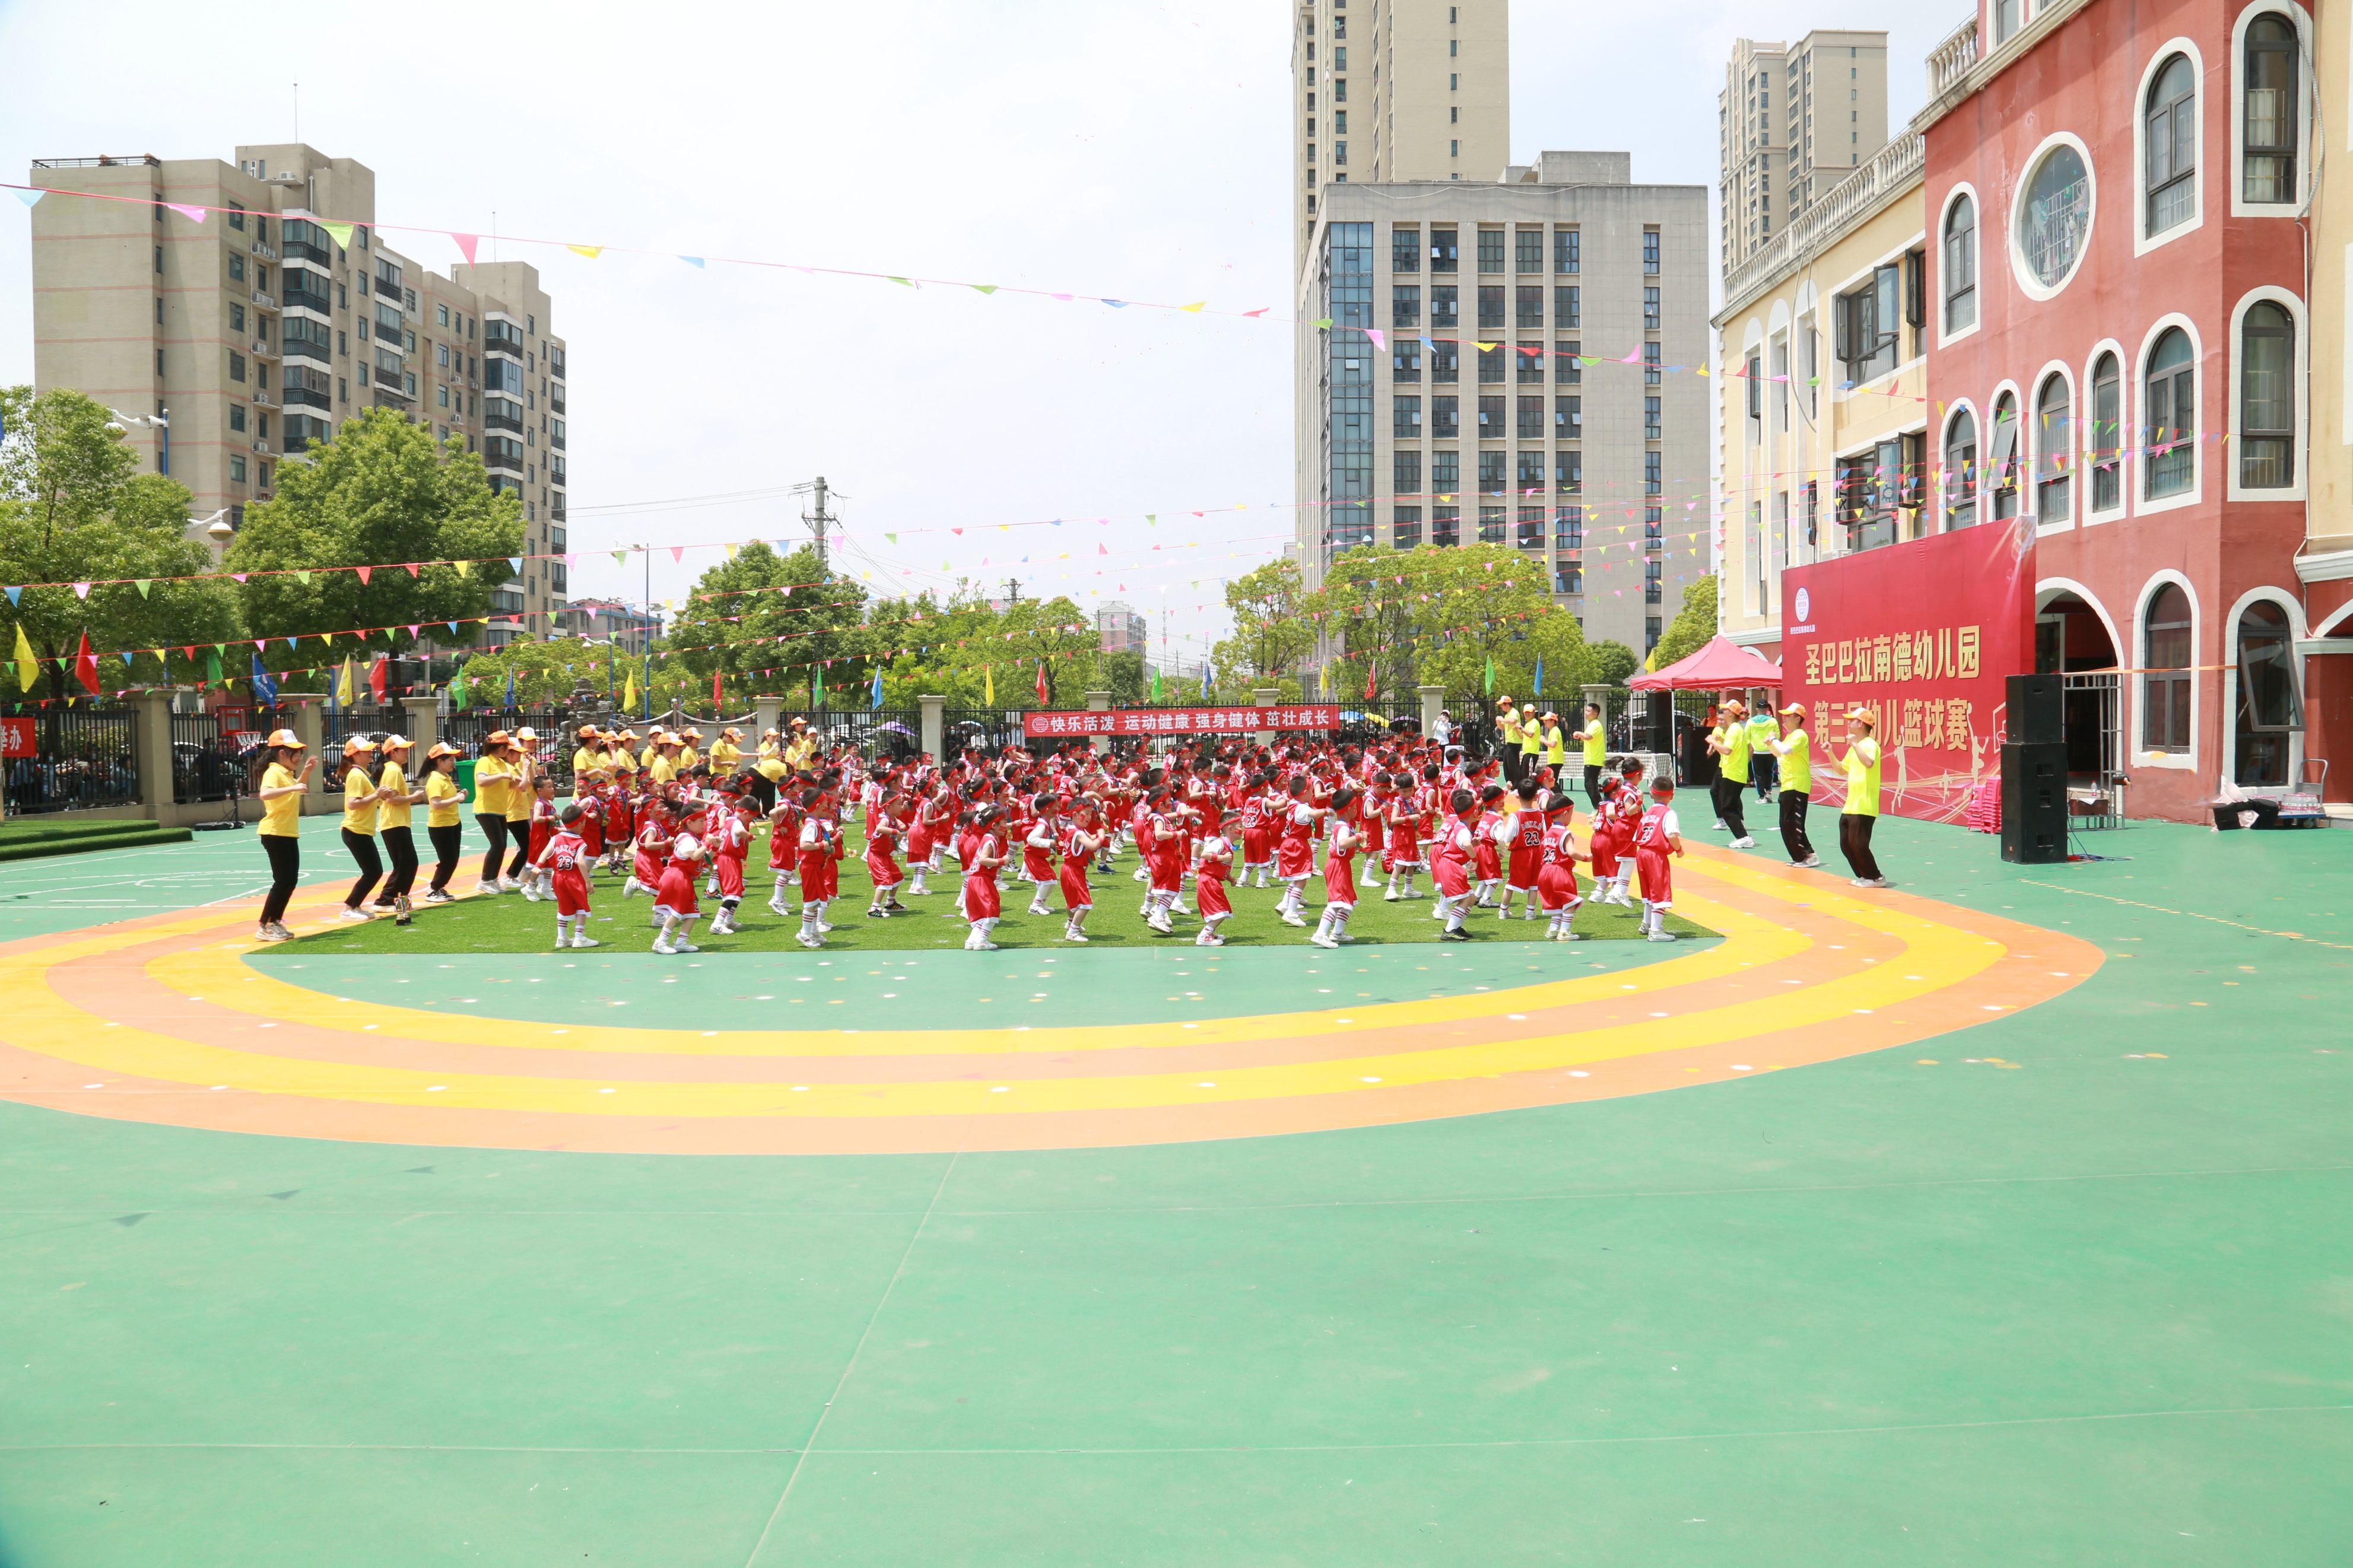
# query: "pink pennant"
{"points": [[677, 553], [81, 589], [466, 243], [1379, 342], [413, 568], [239, 575], [364, 572], [193, 215]]}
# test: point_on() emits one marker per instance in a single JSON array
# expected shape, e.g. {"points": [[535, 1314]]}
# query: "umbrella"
{"points": [[895, 728]]}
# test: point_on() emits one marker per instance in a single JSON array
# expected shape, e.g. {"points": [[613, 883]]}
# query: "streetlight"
{"points": [[160, 420]]}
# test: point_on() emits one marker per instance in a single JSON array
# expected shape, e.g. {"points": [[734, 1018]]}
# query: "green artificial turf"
{"points": [[511, 923], [25, 840]]}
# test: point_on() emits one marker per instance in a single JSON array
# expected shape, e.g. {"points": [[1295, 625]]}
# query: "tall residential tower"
{"points": [[1793, 121]]}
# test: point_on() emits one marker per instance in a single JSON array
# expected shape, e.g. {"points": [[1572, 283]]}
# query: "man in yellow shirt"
{"points": [[1860, 814], [1794, 750], [1595, 738], [1731, 743]]}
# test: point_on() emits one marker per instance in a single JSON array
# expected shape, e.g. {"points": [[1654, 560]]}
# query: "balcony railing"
{"points": [[1950, 63], [1846, 203], [303, 250], [264, 300], [555, 361], [264, 350], [310, 397], [556, 442], [502, 422], [503, 461], [555, 400]]}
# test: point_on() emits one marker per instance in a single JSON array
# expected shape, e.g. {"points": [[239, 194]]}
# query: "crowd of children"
{"points": [[678, 827]]}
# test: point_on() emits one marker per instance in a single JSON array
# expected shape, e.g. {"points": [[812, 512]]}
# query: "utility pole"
{"points": [[817, 519], [1013, 590]]}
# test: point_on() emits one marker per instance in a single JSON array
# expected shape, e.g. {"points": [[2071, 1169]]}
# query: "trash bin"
{"points": [[466, 777]]}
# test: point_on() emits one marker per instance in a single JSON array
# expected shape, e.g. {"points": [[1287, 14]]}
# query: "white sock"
{"points": [[1324, 924]]}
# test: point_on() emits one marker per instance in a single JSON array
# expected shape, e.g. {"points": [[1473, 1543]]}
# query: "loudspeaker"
{"points": [[2038, 710], [2034, 799]]}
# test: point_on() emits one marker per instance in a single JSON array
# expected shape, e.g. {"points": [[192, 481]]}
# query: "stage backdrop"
{"points": [[1923, 635]]}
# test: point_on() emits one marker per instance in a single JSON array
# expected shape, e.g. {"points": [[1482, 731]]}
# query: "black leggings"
{"points": [[400, 848], [1793, 826], [494, 829], [1727, 805], [285, 870], [518, 835], [448, 846], [371, 864], [1593, 784], [1854, 843]]}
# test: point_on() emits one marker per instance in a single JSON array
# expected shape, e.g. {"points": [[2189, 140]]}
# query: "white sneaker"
{"points": [[1809, 862], [986, 947], [811, 942], [1391, 898], [1039, 910], [710, 889], [632, 887], [358, 917], [1717, 826], [663, 947], [1141, 875], [1069, 935], [1160, 923], [530, 891], [1293, 921], [586, 941], [1662, 936], [779, 908], [1743, 842], [1877, 882], [825, 925], [1571, 936], [509, 884], [1320, 940]]}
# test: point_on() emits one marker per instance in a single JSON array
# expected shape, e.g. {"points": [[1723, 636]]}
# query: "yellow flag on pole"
{"points": [[28, 668], [630, 696], [989, 685], [347, 689]]}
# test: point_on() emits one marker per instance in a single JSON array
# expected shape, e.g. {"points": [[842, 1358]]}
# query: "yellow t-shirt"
{"points": [[491, 776], [1861, 779], [584, 760], [1555, 746], [393, 810], [772, 763], [1798, 762], [441, 799], [726, 754], [1735, 753], [519, 792], [1596, 743], [358, 819], [278, 817], [647, 759], [687, 757], [662, 769]]}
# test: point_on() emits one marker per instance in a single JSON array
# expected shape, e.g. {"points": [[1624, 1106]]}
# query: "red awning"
{"points": [[1722, 666]]}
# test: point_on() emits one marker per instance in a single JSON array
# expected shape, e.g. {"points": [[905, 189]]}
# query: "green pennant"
{"points": [[145, 583]]}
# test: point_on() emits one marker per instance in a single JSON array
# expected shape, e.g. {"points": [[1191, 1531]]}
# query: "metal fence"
{"points": [[205, 766], [82, 759]]}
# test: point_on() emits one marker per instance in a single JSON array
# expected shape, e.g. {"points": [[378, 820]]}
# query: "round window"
{"points": [[2055, 217]]}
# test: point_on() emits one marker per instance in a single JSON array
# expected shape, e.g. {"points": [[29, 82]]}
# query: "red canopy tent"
{"points": [[1721, 666]]}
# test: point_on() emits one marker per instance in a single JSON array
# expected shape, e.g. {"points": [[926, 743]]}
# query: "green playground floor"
{"points": [[2090, 1307]]}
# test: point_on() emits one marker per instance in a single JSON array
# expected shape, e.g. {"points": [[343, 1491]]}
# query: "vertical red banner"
{"points": [[1923, 635]]}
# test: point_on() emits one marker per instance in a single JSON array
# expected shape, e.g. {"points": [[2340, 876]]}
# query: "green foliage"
{"points": [[961, 647], [546, 673], [1612, 664], [383, 494], [74, 508], [1693, 624], [1124, 677], [1415, 617], [737, 610], [1269, 634]]}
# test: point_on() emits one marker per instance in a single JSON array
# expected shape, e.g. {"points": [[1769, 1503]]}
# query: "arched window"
{"points": [[1961, 265], [2271, 709], [2164, 687], [2107, 436], [2002, 456], [2266, 398], [2172, 144], [2054, 426], [1961, 471], [2172, 416], [2270, 133]]}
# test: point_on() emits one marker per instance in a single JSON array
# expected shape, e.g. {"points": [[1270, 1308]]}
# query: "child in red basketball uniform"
{"points": [[543, 828], [1659, 837], [1038, 847], [1523, 834], [563, 859], [1210, 889], [1450, 864], [730, 842], [882, 830], [674, 899], [818, 849], [1339, 873], [1556, 871], [982, 907], [1080, 844]]}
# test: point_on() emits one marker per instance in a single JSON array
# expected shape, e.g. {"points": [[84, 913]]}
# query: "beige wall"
{"points": [[1804, 430], [2329, 514]]}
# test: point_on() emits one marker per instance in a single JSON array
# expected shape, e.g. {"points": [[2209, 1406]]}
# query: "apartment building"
{"points": [[1432, 96], [1793, 121], [1821, 421], [1123, 629], [232, 338], [1548, 399], [627, 627]]}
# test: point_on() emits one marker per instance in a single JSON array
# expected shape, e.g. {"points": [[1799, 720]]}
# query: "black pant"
{"points": [[1727, 795], [1854, 843], [447, 844], [285, 853], [518, 835], [371, 864], [400, 848], [764, 790], [1510, 753], [1765, 772], [1593, 784], [1793, 826], [494, 829]]}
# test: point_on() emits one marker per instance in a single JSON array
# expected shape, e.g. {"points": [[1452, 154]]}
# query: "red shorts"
{"points": [[1076, 894], [1605, 856], [592, 833], [1167, 868], [980, 899], [1557, 885], [540, 832], [647, 869], [1257, 846], [1657, 877], [1210, 894], [919, 844], [1295, 857], [1340, 880], [1404, 849], [782, 849], [1491, 865], [883, 871], [1036, 865], [572, 892], [816, 875], [730, 871], [1453, 877], [1525, 865]]}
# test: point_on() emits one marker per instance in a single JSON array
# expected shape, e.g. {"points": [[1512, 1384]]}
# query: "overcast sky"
{"points": [[1140, 152]]}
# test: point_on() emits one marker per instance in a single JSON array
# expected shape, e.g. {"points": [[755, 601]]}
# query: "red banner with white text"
{"points": [[1139, 722], [1923, 635]]}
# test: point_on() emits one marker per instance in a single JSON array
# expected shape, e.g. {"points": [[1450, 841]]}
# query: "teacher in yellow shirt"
{"points": [[442, 800], [359, 825], [1861, 813], [1794, 750], [393, 795], [282, 777]]}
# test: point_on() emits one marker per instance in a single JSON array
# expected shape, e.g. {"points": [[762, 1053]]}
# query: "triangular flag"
{"points": [[81, 589], [31, 198], [620, 557], [1195, 308], [466, 243], [145, 583], [364, 572], [86, 666], [28, 668], [465, 568], [591, 251], [692, 261], [985, 287], [341, 231], [14, 596], [677, 554], [513, 562], [193, 215]]}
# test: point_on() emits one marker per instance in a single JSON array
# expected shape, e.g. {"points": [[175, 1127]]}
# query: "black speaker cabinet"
{"points": [[2037, 709], [2034, 799]]}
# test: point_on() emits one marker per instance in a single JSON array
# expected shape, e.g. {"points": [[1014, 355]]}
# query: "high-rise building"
{"points": [[234, 337], [1533, 385], [1123, 629], [1430, 95], [1794, 119]]}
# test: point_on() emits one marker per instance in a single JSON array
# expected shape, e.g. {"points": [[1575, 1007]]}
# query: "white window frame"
{"points": [[2143, 242], [2028, 284], [2031, 437], [2187, 762], [2229, 660], [1945, 339], [2305, 88], [2301, 443], [1985, 450], [1944, 432], [2089, 442], [2141, 505]]}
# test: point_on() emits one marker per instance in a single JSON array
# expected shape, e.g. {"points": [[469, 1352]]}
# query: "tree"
{"points": [[345, 539], [74, 510], [1270, 634], [1405, 618], [1613, 663], [1693, 624], [764, 621], [1122, 675]]}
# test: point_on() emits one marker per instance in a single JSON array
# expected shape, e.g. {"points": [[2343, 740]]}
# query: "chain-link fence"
{"points": [[71, 759]]}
